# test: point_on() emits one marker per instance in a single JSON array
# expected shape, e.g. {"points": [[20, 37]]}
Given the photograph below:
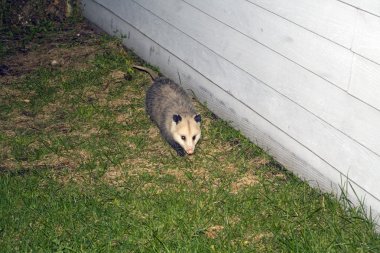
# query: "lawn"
{"points": [[83, 169]]}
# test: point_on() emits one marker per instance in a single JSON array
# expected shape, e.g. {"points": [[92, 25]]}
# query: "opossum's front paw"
{"points": [[181, 152], [178, 148]]}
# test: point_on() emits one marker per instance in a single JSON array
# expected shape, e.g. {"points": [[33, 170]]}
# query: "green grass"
{"points": [[83, 169]]}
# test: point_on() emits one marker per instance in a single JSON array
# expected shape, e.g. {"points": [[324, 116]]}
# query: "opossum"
{"points": [[172, 111]]}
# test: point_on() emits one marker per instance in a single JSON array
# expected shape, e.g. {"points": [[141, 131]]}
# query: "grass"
{"points": [[83, 169]]}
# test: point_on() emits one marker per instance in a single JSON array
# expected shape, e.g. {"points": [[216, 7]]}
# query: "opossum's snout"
{"points": [[190, 151]]}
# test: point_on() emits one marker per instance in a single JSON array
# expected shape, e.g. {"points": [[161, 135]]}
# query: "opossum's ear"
{"points": [[177, 118], [197, 118]]}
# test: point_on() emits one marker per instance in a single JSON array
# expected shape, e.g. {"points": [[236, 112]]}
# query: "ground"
{"points": [[82, 168]]}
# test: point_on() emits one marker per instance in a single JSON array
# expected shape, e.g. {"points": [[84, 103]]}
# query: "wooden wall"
{"points": [[300, 78]]}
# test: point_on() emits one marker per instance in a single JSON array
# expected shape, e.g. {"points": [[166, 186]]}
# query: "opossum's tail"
{"points": [[152, 74]]}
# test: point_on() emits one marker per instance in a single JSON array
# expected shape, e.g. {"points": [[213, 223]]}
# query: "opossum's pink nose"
{"points": [[190, 151]]}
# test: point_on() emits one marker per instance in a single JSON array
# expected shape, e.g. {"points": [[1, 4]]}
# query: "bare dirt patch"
{"points": [[52, 52]]}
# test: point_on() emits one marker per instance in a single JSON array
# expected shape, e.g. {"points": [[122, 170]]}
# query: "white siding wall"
{"points": [[300, 78]]}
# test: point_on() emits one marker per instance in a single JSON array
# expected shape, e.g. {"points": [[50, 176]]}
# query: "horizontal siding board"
{"points": [[371, 6], [367, 36], [331, 145], [329, 18], [365, 81], [344, 24], [305, 88], [313, 52]]}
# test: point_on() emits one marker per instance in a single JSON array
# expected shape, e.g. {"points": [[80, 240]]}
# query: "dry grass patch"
{"points": [[115, 103], [259, 161], [153, 132], [261, 236], [55, 161], [230, 168], [123, 118], [62, 127], [80, 178], [177, 173], [9, 93], [243, 182], [116, 76], [233, 220], [201, 174], [114, 176], [18, 119], [152, 187], [139, 166], [7, 163], [50, 161], [213, 231], [86, 131]]}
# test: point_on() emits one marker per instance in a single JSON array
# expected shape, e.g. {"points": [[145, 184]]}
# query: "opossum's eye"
{"points": [[183, 137], [194, 138]]}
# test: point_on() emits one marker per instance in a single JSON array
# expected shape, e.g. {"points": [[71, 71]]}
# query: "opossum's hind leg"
{"points": [[177, 147]]}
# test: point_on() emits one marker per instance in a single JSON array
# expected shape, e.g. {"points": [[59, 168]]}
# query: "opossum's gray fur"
{"points": [[164, 99]]}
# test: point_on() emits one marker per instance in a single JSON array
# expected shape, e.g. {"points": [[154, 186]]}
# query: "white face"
{"points": [[187, 133]]}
